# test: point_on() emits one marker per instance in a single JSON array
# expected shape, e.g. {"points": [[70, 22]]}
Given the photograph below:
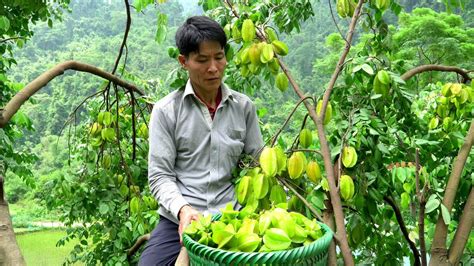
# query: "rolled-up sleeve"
{"points": [[161, 160]]}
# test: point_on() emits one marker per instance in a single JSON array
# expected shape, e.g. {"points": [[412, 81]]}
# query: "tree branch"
{"points": [[401, 223], [22, 96], [140, 241], [275, 137], [2, 198], [421, 214], [439, 240], [424, 68], [417, 173], [310, 207], [335, 198], [462, 232], [229, 3], [73, 113], [334, 20], [10, 39], [125, 36], [307, 150], [421, 229]]}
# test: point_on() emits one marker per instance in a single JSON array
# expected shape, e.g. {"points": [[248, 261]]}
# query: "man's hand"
{"points": [[186, 215]]}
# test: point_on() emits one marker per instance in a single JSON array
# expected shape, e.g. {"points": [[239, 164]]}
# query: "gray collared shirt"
{"points": [[191, 156]]}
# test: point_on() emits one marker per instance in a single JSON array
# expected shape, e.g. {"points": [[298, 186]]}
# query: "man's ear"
{"points": [[182, 60]]}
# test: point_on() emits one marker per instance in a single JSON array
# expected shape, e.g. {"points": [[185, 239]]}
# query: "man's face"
{"points": [[206, 66]]}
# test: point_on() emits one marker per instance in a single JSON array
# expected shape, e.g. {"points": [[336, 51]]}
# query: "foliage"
{"points": [[15, 19], [105, 186], [108, 184], [69, 40], [91, 33], [383, 136], [426, 36], [14, 187]]}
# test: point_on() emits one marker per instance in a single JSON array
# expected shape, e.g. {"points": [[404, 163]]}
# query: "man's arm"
{"points": [[253, 139], [161, 159]]}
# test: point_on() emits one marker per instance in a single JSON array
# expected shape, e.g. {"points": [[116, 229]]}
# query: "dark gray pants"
{"points": [[163, 246]]}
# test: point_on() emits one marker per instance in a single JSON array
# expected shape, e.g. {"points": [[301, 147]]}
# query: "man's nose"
{"points": [[212, 66]]}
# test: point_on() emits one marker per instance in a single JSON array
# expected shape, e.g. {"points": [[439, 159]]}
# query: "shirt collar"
{"points": [[226, 92]]}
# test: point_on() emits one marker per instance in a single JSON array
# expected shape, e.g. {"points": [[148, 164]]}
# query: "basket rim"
{"points": [[191, 246]]}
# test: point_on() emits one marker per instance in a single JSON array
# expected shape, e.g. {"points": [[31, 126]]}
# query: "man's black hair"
{"points": [[196, 30]]}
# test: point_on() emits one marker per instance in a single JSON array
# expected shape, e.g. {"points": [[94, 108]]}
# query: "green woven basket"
{"points": [[313, 254]]}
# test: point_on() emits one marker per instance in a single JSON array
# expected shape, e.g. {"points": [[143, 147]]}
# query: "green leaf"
{"points": [[373, 132], [229, 52], [407, 187], [141, 229], [103, 208], [432, 204], [378, 16], [427, 142], [21, 119], [445, 214], [136, 171], [317, 199], [128, 224], [261, 112], [368, 69], [375, 96], [142, 4], [161, 29], [382, 148], [397, 79], [4, 23], [138, 5], [210, 4], [402, 174], [396, 8], [405, 200], [161, 32], [20, 43], [134, 205]]}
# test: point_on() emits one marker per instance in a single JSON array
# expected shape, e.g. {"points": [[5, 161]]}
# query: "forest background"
{"points": [[92, 33]]}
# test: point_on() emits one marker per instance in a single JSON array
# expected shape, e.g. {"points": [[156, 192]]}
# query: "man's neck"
{"points": [[208, 97]]}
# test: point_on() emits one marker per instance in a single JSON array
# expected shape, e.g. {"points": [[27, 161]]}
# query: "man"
{"points": [[197, 135]]}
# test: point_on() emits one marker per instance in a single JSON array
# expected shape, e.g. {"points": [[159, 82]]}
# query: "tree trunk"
{"points": [[328, 217], [439, 251], [9, 251], [463, 231]]}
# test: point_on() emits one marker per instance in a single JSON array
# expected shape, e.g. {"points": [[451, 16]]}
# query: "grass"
{"points": [[39, 248]]}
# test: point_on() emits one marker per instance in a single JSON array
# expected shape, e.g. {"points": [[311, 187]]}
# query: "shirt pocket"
{"points": [[234, 142], [236, 134]]}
